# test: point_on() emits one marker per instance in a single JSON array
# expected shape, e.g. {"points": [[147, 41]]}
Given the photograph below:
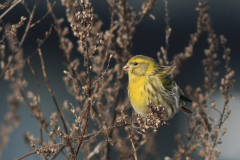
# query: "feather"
{"points": [[183, 98], [167, 84], [185, 109]]}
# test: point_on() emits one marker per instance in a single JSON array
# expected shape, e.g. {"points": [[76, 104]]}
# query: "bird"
{"points": [[151, 82]]}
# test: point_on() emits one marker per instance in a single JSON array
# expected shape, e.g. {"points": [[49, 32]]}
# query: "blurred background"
{"points": [[148, 38]]}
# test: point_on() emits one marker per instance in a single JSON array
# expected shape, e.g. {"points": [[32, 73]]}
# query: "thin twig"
{"points": [[29, 23], [33, 152], [38, 21], [130, 137], [50, 90], [89, 98], [42, 42], [59, 151], [39, 99], [22, 40], [26, 7], [145, 14], [120, 79], [58, 29], [30, 107], [225, 94], [103, 131], [62, 143], [10, 8], [168, 29]]}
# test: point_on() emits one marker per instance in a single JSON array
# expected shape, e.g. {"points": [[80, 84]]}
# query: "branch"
{"points": [[11, 7], [33, 152], [50, 90], [130, 137], [38, 21], [89, 98], [39, 101], [22, 40], [62, 143]]}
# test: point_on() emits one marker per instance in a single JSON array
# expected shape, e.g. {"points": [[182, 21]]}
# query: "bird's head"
{"points": [[140, 66]]}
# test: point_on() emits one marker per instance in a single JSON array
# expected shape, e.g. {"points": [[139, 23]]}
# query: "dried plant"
{"points": [[99, 89]]}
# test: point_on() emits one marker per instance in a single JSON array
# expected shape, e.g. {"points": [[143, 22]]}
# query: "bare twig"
{"points": [[62, 143], [58, 152], [38, 21], [130, 137], [89, 98], [168, 29], [227, 84], [42, 42], [23, 38], [10, 8], [39, 101], [50, 90], [164, 51], [33, 152]]}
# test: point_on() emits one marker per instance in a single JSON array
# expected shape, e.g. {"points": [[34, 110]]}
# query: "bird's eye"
{"points": [[135, 64]]}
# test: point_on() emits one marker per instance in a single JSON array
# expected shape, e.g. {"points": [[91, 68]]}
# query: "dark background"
{"points": [[149, 36]]}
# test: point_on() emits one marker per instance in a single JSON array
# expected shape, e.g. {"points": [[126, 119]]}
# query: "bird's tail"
{"points": [[185, 109]]}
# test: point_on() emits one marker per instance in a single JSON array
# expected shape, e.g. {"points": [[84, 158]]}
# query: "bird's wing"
{"points": [[163, 71], [168, 83]]}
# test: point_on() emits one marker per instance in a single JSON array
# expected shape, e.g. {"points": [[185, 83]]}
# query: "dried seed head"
{"points": [[226, 107], [65, 72], [73, 111], [50, 134], [213, 105], [110, 56], [231, 96]]}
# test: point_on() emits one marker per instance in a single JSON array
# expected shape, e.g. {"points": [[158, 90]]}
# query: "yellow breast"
{"points": [[143, 89], [137, 94]]}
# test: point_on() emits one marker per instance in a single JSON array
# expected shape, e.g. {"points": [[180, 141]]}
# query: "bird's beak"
{"points": [[126, 68]]}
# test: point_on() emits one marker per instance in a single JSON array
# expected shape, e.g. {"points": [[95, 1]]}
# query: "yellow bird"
{"points": [[150, 82]]}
